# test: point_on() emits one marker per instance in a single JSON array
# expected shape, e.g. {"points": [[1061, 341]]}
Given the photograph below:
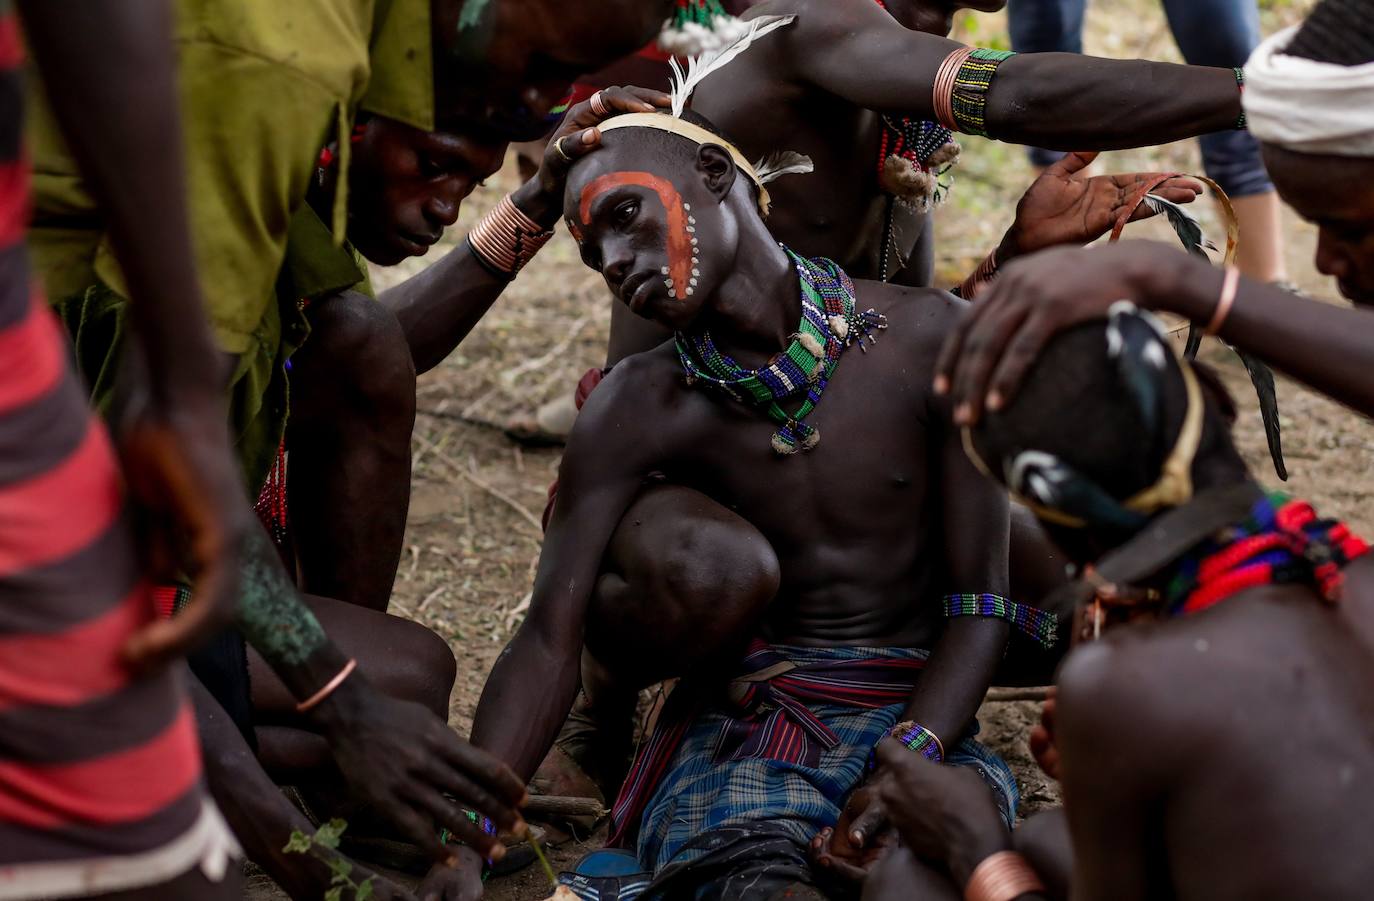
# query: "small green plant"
{"points": [[319, 846]]}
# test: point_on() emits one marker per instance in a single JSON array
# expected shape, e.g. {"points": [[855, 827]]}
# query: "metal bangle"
{"points": [[1002, 877], [942, 100], [1230, 286], [329, 687]]}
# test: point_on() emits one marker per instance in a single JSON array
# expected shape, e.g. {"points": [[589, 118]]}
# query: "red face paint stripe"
{"points": [[679, 240]]}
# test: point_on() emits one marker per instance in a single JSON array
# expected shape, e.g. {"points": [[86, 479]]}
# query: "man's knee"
{"points": [[710, 566], [425, 671], [358, 350]]}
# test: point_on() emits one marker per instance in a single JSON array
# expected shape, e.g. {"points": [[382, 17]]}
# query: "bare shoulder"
{"points": [[817, 20], [918, 318], [1129, 691], [635, 406]]}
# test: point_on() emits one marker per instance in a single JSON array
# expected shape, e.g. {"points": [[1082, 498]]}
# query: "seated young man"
{"points": [[857, 516], [1216, 742], [353, 399]]}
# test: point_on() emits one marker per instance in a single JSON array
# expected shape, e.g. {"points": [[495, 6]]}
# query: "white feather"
{"points": [[783, 162], [698, 67]]}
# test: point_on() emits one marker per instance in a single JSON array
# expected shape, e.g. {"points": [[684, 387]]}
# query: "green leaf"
{"points": [[334, 894], [340, 867], [298, 844], [328, 835], [364, 892]]}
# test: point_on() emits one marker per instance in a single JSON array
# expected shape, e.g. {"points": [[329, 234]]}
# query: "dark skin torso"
{"points": [[865, 540], [1246, 732], [840, 210], [1225, 756], [845, 519]]}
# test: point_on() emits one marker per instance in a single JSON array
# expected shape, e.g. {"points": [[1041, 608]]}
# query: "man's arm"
{"points": [[975, 524], [1113, 756], [260, 815], [111, 85], [1326, 346], [618, 439], [440, 306], [1056, 100]]}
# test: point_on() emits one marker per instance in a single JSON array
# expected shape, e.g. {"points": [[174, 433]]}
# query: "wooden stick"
{"points": [[563, 805], [1004, 695]]}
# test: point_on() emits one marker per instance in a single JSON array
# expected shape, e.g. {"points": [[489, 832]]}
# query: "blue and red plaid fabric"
{"points": [[787, 747]]}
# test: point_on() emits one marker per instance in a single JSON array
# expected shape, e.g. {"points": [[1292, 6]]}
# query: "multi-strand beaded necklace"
{"points": [[1282, 542], [829, 324]]}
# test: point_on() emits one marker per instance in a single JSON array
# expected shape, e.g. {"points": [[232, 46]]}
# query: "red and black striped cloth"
{"points": [[93, 763], [769, 716]]}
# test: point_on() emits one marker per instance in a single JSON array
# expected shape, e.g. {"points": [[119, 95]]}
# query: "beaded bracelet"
{"points": [[1040, 625], [961, 88], [919, 739], [506, 239], [484, 823], [1242, 123]]}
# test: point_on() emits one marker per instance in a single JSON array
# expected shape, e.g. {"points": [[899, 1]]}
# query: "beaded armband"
{"points": [[919, 739], [961, 88], [1242, 123], [506, 239], [974, 284], [1040, 625]]}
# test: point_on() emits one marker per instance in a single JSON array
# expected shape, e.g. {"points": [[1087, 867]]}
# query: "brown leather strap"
{"points": [[1228, 211], [1163, 541]]}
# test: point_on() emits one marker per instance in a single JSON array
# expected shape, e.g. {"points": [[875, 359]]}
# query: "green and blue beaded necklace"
{"points": [[829, 324]]}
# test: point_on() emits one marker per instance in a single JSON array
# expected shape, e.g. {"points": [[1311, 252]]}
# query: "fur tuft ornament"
{"points": [[709, 61]]}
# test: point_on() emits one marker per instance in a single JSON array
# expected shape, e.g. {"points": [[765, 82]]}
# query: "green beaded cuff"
{"points": [[482, 822], [971, 85], [1242, 123], [1040, 625]]}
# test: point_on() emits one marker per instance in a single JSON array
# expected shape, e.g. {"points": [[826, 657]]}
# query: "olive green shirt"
{"points": [[265, 84]]}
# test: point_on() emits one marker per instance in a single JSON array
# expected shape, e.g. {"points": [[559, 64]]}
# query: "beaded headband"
{"points": [[1173, 488]]}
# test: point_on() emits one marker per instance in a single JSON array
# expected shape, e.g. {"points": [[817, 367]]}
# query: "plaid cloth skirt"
{"points": [[697, 794]]}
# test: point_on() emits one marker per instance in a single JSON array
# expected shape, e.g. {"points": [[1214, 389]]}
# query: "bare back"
{"points": [[1261, 739], [837, 211]]}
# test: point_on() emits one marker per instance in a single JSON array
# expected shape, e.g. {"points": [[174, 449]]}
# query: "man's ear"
{"points": [[717, 170]]}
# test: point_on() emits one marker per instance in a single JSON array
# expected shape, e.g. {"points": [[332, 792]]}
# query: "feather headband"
{"points": [[686, 81]]}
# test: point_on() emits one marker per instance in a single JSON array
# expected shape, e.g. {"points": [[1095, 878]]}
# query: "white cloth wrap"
{"points": [[1306, 106]]}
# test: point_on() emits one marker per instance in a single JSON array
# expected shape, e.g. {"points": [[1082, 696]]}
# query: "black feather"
{"points": [[1262, 377]]}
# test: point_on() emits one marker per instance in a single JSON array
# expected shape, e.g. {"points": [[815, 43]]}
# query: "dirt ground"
{"points": [[473, 537]]}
